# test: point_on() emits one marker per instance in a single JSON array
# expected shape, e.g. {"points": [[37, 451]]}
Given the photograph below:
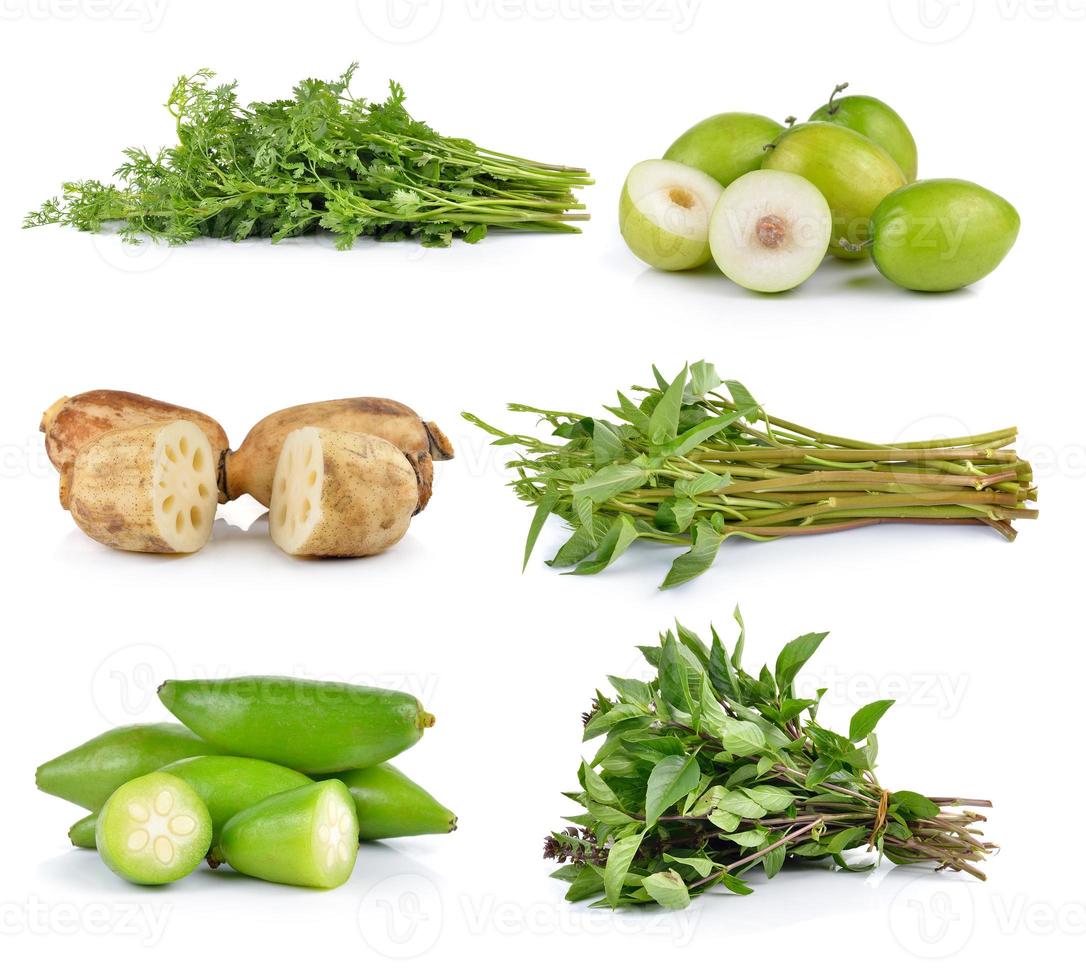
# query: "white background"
{"points": [[979, 640]]}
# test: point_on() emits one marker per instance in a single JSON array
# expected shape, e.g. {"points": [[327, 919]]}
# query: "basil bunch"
{"points": [[707, 772]]}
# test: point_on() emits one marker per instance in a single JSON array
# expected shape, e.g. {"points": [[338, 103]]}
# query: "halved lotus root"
{"points": [[151, 488], [340, 494]]}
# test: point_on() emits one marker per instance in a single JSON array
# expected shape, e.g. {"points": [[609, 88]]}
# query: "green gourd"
{"points": [[391, 805], [90, 772], [310, 726]]}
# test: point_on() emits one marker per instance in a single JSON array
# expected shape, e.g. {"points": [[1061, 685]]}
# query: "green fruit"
{"points": [[725, 146], [306, 836], [87, 774], [853, 173], [663, 214], [938, 235], [229, 784], [391, 805], [81, 833], [311, 726], [153, 829], [875, 120]]}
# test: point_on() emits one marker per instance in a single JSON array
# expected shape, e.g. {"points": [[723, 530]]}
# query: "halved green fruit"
{"points": [[874, 119], [939, 235], [153, 830], [770, 230], [306, 836], [725, 146], [664, 212], [853, 173]]}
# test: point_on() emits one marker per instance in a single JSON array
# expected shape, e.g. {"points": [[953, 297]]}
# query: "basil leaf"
{"points": [[670, 780], [667, 889], [619, 859], [864, 721], [793, 657], [742, 737]]}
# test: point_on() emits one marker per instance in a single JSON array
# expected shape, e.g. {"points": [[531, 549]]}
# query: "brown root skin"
{"points": [[440, 447], [65, 486], [70, 424], [251, 467], [50, 414], [113, 488], [363, 503]]}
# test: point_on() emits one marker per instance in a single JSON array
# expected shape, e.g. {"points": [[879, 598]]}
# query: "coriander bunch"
{"points": [[697, 460], [322, 158], [707, 773]]}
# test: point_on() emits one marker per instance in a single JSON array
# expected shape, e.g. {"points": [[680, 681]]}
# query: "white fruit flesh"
{"points": [[296, 494], [335, 835], [153, 829], [341, 494], [157, 827], [185, 493], [151, 488], [664, 213], [770, 230]]}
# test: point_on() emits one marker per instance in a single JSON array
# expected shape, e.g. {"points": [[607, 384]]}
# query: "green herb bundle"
{"points": [[321, 159], [691, 466], [708, 772]]}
